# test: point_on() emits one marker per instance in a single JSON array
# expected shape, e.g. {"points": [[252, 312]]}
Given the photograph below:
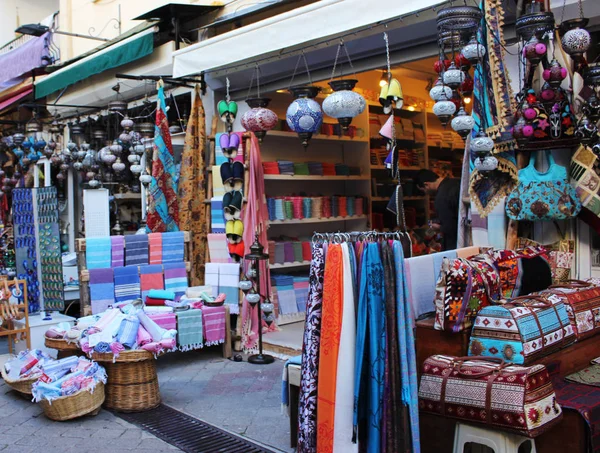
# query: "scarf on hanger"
{"points": [[492, 110], [330, 344], [344, 387], [370, 362], [309, 371], [163, 209], [256, 220], [191, 187], [408, 361], [395, 427]]}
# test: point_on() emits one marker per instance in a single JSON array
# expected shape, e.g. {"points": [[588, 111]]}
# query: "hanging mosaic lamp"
{"points": [[304, 115], [145, 178], [474, 51], [587, 132], [555, 74], [440, 91], [576, 39], [344, 104], [444, 109], [462, 123], [453, 77], [259, 119], [486, 163], [534, 50]]}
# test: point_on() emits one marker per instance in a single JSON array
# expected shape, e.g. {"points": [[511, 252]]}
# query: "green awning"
{"points": [[118, 54]]}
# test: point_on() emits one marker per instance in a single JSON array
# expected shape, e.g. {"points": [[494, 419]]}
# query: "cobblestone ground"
{"points": [[242, 398]]}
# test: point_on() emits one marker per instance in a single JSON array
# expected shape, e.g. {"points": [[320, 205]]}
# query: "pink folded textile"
{"points": [[116, 348], [155, 248], [109, 316], [167, 321], [143, 337], [159, 346], [53, 333], [213, 322], [85, 347]]}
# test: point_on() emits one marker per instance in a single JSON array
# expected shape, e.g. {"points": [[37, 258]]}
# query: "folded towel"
{"points": [[127, 284], [189, 330], [161, 294], [117, 251], [98, 252], [136, 249], [229, 280], [128, 332], [213, 320], [155, 302], [176, 279], [167, 321], [102, 289], [151, 277], [172, 247], [155, 248]]}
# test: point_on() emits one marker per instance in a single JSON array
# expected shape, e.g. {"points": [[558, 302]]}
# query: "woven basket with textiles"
{"points": [[136, 355], [20, 385], [83, 402], [132, 397], [59, 344], [125, 373]]}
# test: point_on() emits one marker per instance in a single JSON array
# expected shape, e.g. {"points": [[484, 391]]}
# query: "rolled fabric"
{"points": [[161, 294], [150, 309], [155, 302], [128, 330], [116, 348], [85, 347], [102, 347], [155, 331], [107, 318], [155, 347], [143, 337]]}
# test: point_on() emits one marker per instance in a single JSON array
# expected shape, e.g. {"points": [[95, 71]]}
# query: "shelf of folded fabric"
{"points": [[128, 196], [289, 265], [317, 220], [316, 177], [383, 167], [405, 198], [318, 137]]}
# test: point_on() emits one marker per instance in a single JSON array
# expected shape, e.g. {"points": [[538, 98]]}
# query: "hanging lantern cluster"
{"points": [[460, 50]]}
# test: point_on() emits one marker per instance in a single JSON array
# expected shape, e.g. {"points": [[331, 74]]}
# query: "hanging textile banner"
{"points": [[192, 192], [163, 209]]}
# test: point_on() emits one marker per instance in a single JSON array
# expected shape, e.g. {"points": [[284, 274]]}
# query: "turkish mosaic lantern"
{"points": [[259, 119], [462, 123], [576, 39], [473, 51], [304, 115], [344, 104], [555, 74]]}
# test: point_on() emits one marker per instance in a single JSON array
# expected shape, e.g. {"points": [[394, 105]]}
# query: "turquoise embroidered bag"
{"points": [[543, 195]]}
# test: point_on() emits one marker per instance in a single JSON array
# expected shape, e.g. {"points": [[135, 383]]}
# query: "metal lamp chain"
{"points": [[227, 85], [301, 57], [337, 56]]}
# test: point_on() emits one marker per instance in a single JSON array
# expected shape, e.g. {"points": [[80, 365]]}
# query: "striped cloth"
{"points": [[189, 330], [213, 319], [151, 277], [117, 245], [301, 291], [172, 247], [156, 332], [285, 292], [102, 289], [136, 249], [217, 248], [97, 253], [167, 321], [155, 246], [127, 283], [176, 279], [128, 331], [217, 221], [229, 281]]}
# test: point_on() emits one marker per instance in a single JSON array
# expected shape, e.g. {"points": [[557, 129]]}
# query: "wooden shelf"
{"points": [[383, 167], [128, 196], [317, 220], [317, 137], [316, 178], [289, 265], [405, 198]]}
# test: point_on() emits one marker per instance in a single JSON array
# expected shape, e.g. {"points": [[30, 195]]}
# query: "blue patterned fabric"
{"points": [[370, 362], [543, 196]]}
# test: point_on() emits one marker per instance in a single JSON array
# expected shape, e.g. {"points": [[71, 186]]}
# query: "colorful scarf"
{"points": [[408, 362], [176, 279], [155, 247], [102, 289], [369, 367], [127, 283], [151, 277], [256, 220], [128, 331], [163, 209], [136, 249], [192, 190], [172, 247], [213, 319], [117, 251], [189, 330], [330, 341], [492, 102], [97, 253], [307, 407]]}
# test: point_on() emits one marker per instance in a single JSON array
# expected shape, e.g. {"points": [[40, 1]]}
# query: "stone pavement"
{"points": [[239, 397]]}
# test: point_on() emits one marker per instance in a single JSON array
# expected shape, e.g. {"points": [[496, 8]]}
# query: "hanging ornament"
{"points": [[107, 156], [136, 169], [462, 123], [486, 163], [555, 74], [440, 91], [576, 39], [94, 183], [133, 158], [534, 50], [444, 109], [227, 109], [118, 166], [587, 132], [344, 104], [591, 108], [259, 119], [116, 149], [441, 65], [245, 285], [127, 123], [145, 178], [482, 144], [453, 77], [466, 89], [253, 298], [474, 51], [548, 94]]}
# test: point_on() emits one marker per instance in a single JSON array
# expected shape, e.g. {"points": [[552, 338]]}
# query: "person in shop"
{"points": [[447, 194]]}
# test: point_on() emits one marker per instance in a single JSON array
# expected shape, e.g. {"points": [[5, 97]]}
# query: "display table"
{"points": [[570, 433], [37, 328], [132, 381]]}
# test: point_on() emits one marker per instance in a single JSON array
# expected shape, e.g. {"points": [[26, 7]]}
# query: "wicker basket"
{"points": [[76, 405], [136, 355], [126, 373], [20, 385], [61, 345], [132, 397]]}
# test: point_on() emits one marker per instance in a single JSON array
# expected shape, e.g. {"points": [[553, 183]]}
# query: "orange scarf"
{"points": [[333, 296]]}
